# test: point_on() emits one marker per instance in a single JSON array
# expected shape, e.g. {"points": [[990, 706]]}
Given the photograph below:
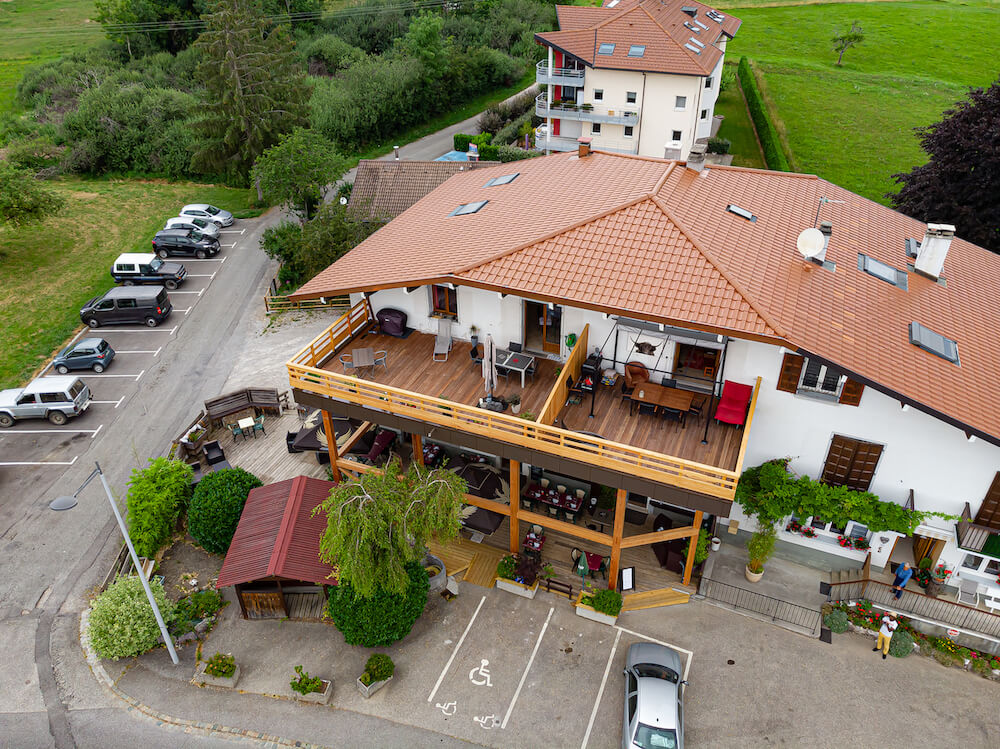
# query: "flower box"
{"points": [[589, 612], [322, 697], [369, 689], [202, 679], [518, 589]]}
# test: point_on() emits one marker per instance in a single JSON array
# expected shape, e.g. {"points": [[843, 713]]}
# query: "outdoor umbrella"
{"points": [[582, 568], [489, 366]]}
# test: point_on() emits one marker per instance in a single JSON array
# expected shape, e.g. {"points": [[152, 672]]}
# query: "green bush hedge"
{"points": [[217, 505], [901, 644], [513, 153], [836, 621], [461, 141], [122, 623], [382, 619], [773, 153], [157, 495]]}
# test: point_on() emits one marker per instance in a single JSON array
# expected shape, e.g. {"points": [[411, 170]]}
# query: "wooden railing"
{"points": [[970, 535], [560, 391], [746, 428], [280, 303], [322, 347]]}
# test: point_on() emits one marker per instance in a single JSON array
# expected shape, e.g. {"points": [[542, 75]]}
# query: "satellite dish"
{"points": [[343, 201], [810, 243]]}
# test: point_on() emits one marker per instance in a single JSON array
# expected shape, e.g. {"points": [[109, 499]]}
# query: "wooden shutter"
{"points": [[989, 510], [851, 462], [791, 368], [850, 395]]}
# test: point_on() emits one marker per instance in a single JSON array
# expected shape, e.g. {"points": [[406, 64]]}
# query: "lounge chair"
{"points": [[732, 408], [968, 592], [442, 342], [214, 452]]}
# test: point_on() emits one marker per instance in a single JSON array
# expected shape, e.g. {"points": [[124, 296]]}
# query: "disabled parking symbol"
{"points": [[480, 676]]}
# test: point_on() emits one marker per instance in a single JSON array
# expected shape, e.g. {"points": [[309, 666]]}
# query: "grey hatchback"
{"points": [[654, 702], [89, 353]]}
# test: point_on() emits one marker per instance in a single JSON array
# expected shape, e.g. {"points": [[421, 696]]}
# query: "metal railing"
{"points": [[558, 76], [585, 112], [758, 603]]}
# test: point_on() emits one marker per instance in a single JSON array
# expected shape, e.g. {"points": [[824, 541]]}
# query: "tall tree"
{"points": [[961, 181], [847, 39], [298, 170], [172, 31], [256, 88], [23, 198]]}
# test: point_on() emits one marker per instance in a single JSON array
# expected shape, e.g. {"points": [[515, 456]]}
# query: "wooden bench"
{"points": [[554, 586], [266, 399]]}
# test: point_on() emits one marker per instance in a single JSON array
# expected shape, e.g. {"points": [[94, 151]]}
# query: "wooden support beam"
{"points": [[616, 538], [515, 504], [693, 545], [570, 529], [418, 448], [670, 534], [354, 439], [331, 443]]}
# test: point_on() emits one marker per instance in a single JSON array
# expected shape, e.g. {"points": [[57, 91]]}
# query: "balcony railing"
{"points": [[558, 76], [559, 143], [304, 373], [585, 112], [970, 535]]}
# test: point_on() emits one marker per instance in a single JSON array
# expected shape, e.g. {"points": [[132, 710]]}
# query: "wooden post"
{"points": [[418, 448], [692, 547], [616, 538], [515, 505], [331, 443]]}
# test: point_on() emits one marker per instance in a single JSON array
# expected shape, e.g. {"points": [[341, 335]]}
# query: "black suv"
{"points": [[184, 242]]}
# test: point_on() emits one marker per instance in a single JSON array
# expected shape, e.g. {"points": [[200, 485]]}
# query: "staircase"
{"points": [[652, 599]]}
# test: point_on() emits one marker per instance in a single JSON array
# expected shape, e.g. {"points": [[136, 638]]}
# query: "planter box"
{"points": [[321, 697], [518, 589], [589, 612], [370, 689], [226, 682]]}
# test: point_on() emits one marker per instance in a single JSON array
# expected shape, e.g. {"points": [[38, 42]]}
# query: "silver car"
{"points": [[206, 227], [208, 212], [654, 701]]}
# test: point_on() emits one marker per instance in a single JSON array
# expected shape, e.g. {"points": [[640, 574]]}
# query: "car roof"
{"points": [[49, 384], [174, 232], [657, 703], [132, 291], [135, 257], [195, 207], [87, 343], [651, 652]]}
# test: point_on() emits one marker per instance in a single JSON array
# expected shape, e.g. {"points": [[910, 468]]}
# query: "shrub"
{"points": [[303, 683], [769, 141], [901, 644], [378, 668], [199, 605], [122, 623], [489, 152], [23, 199], [718, 145], [217, 505], [383, 618], [506, 567], [701, 550], [461, 141], [221, 666], [759, 548], [836, 621], [333, 52], [156, 496], [34, 153], [981, 666], [607, 602], [511, 132]]}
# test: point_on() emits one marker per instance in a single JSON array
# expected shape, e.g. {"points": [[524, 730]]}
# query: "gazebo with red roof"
{"points": [[275, 552]]}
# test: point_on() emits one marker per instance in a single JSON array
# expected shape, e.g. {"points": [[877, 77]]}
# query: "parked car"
{"points": [[89, 353], [654, 700], [54, 398], [184, 242], [206, 227], [209, 212], [146, 268], [148, 305]]}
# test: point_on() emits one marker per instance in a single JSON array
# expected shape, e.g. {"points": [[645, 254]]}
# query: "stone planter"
{"points": [[716, 543], [202, 679], [438, 581], [518, 589], [589, 612], [753, 577], [322, 697], [370, 689], [934, 587]]}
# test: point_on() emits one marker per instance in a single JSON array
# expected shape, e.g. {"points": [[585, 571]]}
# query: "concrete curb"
{"points": [[214, 730]]}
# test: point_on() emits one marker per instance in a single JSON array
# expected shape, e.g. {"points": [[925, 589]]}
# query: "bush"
{"points": [[461, 141], [489, 153], [701, 551], [122, 623], [607, 602], [383, 618], [23, 199], [506, 567], [719, 145], [157, 495], [35, 153], [333, 52], [511, 132], [769, 141], [901, 644], [217, 505], [303, 683], [221, 666], [378, 668], [192, 609], [836, 621]]}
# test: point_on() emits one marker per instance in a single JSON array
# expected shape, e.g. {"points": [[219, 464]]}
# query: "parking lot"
{"points": [[36, 442]]}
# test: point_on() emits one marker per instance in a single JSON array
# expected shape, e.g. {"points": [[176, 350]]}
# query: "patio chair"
{"points": [[698, 404], [290, 442], [574, 558], [733, 404], [442, 341], [635, 374], [672, 414], [381, 357], [527, 504], [258, 426], [515, 347], [196, 467], [213, 452], [554, 511], [476, 356], [537, 530], [968, 592], [237, 431], [605, 565], [347, 361], [383, 441]]}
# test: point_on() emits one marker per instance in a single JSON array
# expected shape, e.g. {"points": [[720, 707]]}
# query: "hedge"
{"points": [[382, 619], [217, 505], [461, 141], [773, 153]]}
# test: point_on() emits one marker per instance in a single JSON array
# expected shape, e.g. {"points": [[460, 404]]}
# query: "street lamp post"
{"points": [[66, 503]]}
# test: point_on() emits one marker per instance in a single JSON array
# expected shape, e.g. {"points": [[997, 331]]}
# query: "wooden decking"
{"points": [[653, 599], [266, 457], [477, 563]]}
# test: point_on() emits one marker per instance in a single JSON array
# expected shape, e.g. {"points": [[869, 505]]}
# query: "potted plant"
{"points": [[221, 670], [518, 575], [527, 416], [311, 688], [474, 335], [701, 550], [808, 531], [923, 573], [602, 606], [515, 403], [378, 672], [759, 550], [861, 544]]}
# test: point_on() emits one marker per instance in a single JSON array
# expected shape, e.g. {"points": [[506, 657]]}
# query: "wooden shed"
{"points": [[273, 561]]}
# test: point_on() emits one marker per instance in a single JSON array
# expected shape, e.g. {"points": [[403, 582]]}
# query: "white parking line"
{"points": [[228, 245], [233, 231], [139, 351], [51, 431], [201, 275], [108, 376], [182, 311], [600, 692], [142, 330], [42, 462], [534, 652], [219, 260], [187, 292], [688, 653], [140, 375], [94, 435], [455, 651]]}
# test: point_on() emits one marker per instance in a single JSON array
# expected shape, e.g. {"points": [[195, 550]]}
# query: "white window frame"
{"points": [[818, 389], [634, 95], [598, 94], [626, 132], [679, 107], [708, 82], [595, 128], [676, 142], [704, 114]]}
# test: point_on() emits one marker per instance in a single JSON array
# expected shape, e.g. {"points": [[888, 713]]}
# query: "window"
{"points": [[637, 50], [708, 82], [851, 463], [628, 131], [972, 562], [606, 49], [126, 304], [992, 567], [882, 271], [595, 128], [107, 304], [53, 398], [468, 208], [819, 378], [675, 135], [630, 97], [25, 400], [504, 180], [127, 267], [742, 213], [935, 343], [704, 114], [680, 103], [598, 94], [445, 301]]}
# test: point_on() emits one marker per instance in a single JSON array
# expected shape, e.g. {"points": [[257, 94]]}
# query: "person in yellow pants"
{"points": [[889, 625]]}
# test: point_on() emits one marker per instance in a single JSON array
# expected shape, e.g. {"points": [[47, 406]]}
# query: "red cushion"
{"points": [[733, 404]]}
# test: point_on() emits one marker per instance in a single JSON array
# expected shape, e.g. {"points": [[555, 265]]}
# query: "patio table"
{"points": [[593, 561], [533, 545], [568, 502], [432, 454], [516, 362], [364, 357], [662, 396]]}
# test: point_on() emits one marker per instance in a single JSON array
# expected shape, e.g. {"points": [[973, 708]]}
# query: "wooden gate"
{"points": [[263, 604]]}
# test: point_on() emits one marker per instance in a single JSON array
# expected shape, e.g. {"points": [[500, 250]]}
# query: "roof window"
{"points": [[613, 3], [742, 213], [637, 50], [691, 27], [912, 246], [700, 45], [467, 208], [701, 24], [882, 271], [696, 50], [716, 16], [504, 180], [606, 48], [935, 343]]}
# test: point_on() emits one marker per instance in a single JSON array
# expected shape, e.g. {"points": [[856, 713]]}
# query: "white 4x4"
{"points": [[53, 398]]}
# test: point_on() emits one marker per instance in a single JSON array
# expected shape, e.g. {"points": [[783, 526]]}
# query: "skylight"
{"points": [[741, 212], [606, 48], [637, 50], [701, 24], [691, 27], [613, 3], [935, 343], [688, 45], [700, 45], [716, 16], [468, 208], [504, 180], [912, 246], [882, 271]]}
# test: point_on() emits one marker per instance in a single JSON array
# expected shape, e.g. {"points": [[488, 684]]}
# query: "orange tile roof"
{"points": [[649, 238]]}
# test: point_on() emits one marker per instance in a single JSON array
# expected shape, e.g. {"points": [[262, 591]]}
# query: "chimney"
{"points": [[584, 146], [933, 250], [696, 157], [826, 229], [395, 150], [690, 10]]}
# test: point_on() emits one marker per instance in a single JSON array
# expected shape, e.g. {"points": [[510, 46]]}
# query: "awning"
{"points": [[930, 531]]}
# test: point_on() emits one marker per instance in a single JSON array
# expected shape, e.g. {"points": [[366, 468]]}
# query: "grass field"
{"points": [[738, 129], [49, 270], [854, 125]]}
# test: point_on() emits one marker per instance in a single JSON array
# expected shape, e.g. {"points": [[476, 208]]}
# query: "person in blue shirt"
{"points": [[903, 575]]}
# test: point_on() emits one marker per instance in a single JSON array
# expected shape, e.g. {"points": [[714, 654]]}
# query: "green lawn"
{"points": [[854, 125], [738, 129], [49, 270]]}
